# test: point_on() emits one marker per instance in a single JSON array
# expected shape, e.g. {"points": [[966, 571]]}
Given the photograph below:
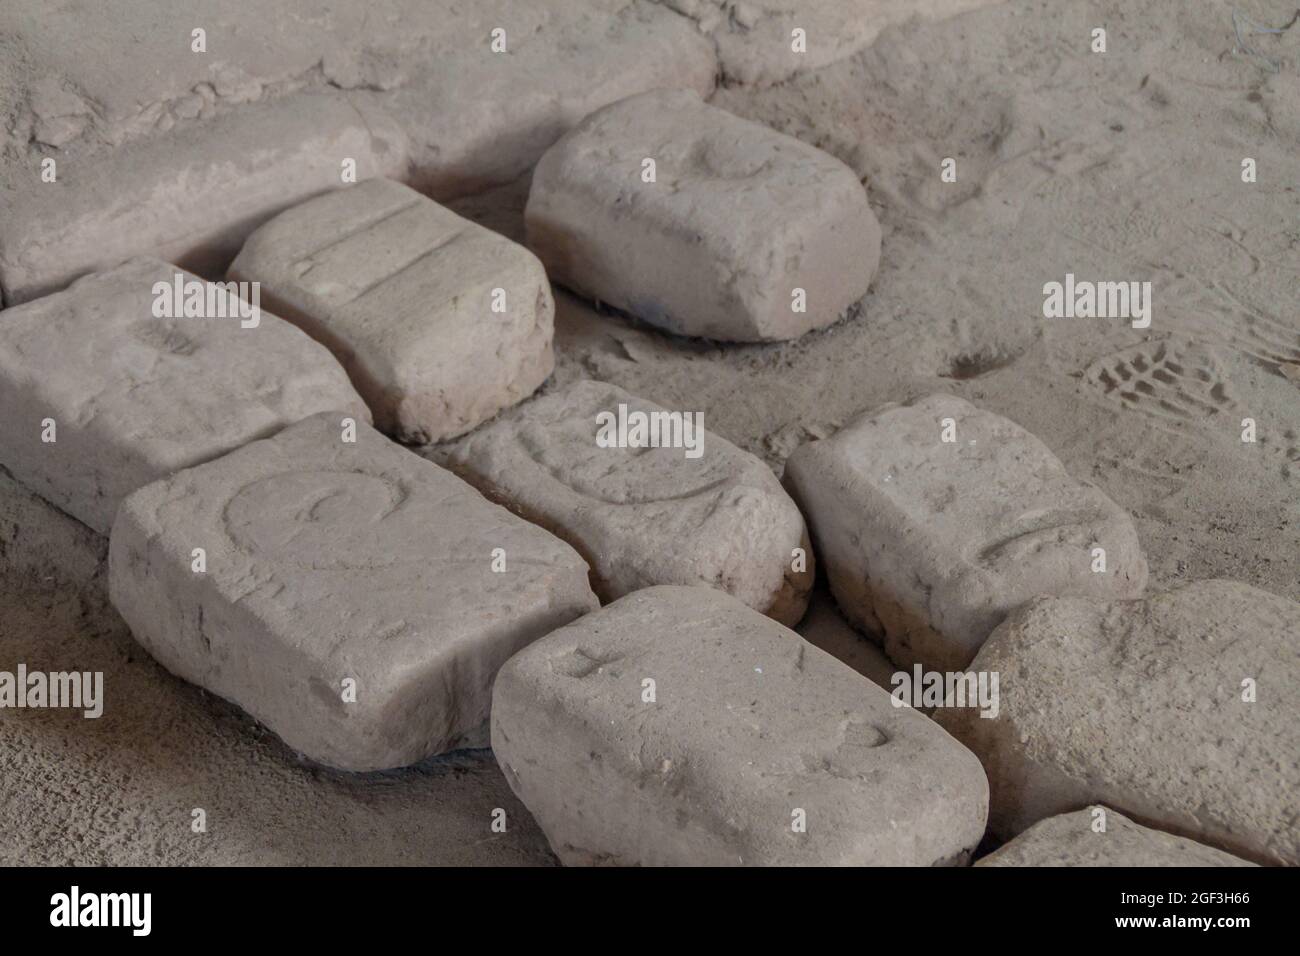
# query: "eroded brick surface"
{"points": [[191, 198], [1099, 836], [749, 725], [737, 218], [931, 543], [645, 516], [1179, 710], [440, 322], [327, 562], [134, 397]]}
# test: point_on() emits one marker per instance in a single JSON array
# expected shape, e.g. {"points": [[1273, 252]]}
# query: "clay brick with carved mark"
{"points": [[928, 544], [329, 561], [738, 217], [440, 322], [752, 730], [644, 516], [135, 397]]}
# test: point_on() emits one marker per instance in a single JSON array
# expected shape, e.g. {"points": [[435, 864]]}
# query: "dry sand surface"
{"points": [[1124, 166]]}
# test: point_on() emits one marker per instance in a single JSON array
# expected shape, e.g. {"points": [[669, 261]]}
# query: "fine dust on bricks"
{"points": [[663, 393], [347, 598], [678, 727], [131, 397], [645, 516], [440, 323]]}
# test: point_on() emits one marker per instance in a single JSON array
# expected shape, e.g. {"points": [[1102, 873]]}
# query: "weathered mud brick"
{"points": [[702, 223], [933, 520], [192, 197], [440, 322], [677, 726], [708, 514], [101, 396], [354, 597], [1179, 710], [1100, 836]]}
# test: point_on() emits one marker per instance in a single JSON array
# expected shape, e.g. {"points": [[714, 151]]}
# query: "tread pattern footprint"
{"points": [[1174, 380]]}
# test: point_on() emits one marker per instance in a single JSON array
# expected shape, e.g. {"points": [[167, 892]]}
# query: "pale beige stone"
{"points": [[738, 218], [1078, 839], [645, 516], [1139, 705], [751, 732], [134, 397], [329, 561], [473, 117], [931, 543], [192, 197], [440, 322], [755, 38]]}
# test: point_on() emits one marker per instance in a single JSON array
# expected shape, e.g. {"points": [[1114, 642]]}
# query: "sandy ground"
{"points": [[1122, 166]]}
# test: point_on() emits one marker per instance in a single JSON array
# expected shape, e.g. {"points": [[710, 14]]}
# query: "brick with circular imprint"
{"points": [[749, 747], [744, 234]]}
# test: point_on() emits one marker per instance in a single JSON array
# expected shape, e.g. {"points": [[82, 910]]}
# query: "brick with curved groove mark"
{"points": [[644, 516], [329, 561], [928, 544]]}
